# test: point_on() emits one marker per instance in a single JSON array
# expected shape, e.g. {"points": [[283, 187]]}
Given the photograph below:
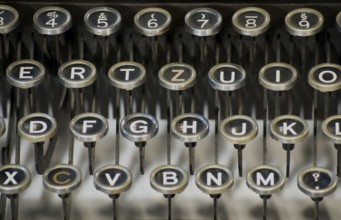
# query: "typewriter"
{"points": [[170, 110]]}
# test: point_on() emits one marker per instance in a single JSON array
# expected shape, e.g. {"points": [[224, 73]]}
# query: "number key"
{"points": [[152, 21], [251, 21], [203, 22], [9, 19], [102, 21], [304, 22], [52, 20]]}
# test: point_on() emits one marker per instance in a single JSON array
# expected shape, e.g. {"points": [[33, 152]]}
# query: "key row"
{"points": [[113, 180], [88, 128], [325, 77], [104, 21]]}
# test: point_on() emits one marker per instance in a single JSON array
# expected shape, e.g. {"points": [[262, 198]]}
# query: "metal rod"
{"points": [[14, 206], [39, 157], [317, 210], [216, 127], [315, 104], [3, 202], [338, 159], [265, 119], [288, 162], [265, 208], [215, 202], [118, 117], [66, 200], [142, 155], [240, 161], [169, 119], [91, 152], [114, 207], [169, 198], [191, 158]]}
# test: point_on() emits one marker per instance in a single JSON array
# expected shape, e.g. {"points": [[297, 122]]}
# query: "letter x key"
{"points": [[14, 179], [289, 130]]}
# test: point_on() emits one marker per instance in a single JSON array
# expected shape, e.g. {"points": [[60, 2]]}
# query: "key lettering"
{"points": [[79, 71], [178, 73], [25, 72], [185, 126], [37, 127], [137, 128], [217, 180], [288, 128], [59, 176], [232, 79], [242, 132], [169, 178], [88, 124], [10, 178], [270, 179], [112, 181]]}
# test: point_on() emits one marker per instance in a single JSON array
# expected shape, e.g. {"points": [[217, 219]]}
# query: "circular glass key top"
{"points": [[338, 21], [152, 21], [112, 179], [289, 129], [37, 127], [77, 74], [62, 178], [278, 76], [251, 21], [9, 19], [139, 127], [14, 179], [239, 129], [214, 179], [127, 75], [52, 20], [325, 77], [190, 127], [102, 21], [177, 76], [169, 179], [89, 127], [265, 180], [2, 126], [226, 77], [25, 74], [316, 182], [331, 127], [203, 22], [304, 22]]}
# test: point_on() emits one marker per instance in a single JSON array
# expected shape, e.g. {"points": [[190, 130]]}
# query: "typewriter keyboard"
{"points": [[170, 111]]}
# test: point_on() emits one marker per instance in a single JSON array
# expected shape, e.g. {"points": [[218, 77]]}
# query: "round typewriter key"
{"points": [[127, 75], [239, 130], [251, 21], [338, 21], [177, 76], [325, 77], [89, 128], [77, 74], [113, 180], [14, 179], [139, 128], [278, 76], [63, 179], [152, 21], [226, 77], [203, 22], [9, 19], [316, 182], [102, 21], [304, 22], [25, 74], [214, 179], [331, 127], [52, 20], [169, 180], [289, 130], [38, 128], [190, 128], [265, 180]]}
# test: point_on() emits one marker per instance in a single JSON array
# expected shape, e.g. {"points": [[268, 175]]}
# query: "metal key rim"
{"points": [[223, 86], [5, 29], [324, 87], [177, 86], [335, 138], [10, 190]]}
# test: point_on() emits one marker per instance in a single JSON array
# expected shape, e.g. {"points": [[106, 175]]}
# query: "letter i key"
{"points": [[14, 179], [89, 128], [214, 179], [265, 180], [113, 180], [63, 179], [190, 128], [239, 130], [169, 180], [139, 128], [39, 129], [289, 130]]}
